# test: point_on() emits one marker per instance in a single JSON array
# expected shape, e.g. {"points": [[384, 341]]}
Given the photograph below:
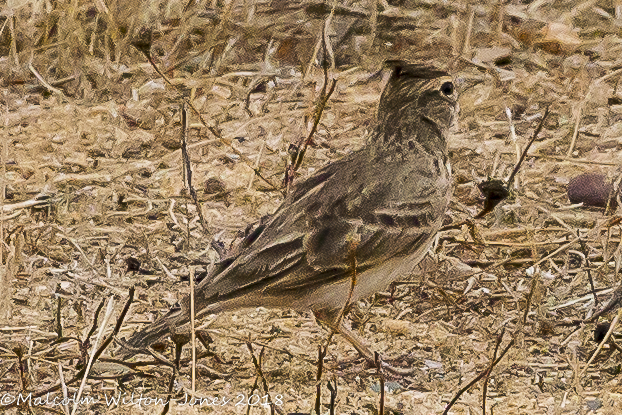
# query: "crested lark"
{"points": [[351, 229]]}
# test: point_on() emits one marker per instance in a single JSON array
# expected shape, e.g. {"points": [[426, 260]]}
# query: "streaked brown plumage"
{"points": [[380, 207]]}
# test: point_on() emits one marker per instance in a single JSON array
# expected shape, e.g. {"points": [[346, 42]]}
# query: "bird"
{"points": [[352, 228]]}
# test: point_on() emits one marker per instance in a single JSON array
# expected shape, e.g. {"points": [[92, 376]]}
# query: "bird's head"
{"points": [[417, 98]]}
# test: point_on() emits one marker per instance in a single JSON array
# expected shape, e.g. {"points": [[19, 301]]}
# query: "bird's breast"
{"points": [[375, 279]]}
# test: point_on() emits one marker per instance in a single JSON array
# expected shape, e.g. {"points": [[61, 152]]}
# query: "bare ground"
{"points": [[107, 178]]}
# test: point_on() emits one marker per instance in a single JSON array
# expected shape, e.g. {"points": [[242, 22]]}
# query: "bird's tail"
{"points": [[140, 340]]}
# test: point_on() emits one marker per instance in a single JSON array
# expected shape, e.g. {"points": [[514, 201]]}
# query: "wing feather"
{"points": [[310, 240]]}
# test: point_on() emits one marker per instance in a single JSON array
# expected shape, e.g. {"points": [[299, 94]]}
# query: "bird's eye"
{"points": [[447, 88]]}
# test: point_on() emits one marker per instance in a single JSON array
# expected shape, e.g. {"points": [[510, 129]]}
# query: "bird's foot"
{"points": [[372, 358]]}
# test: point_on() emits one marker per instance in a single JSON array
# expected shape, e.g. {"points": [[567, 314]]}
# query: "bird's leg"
{"points": [[334, 319], [328, 320]]}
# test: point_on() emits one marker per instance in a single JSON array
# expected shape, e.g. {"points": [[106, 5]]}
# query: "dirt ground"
{"points": [[96, 204]]}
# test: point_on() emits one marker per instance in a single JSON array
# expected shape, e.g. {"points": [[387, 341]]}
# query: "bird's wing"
{"points": [[340, 214]]}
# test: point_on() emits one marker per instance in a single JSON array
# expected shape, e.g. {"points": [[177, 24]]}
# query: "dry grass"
{"points": [[92, 172]]}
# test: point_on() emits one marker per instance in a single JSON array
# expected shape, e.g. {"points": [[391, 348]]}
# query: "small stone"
{"points": [[594, 405], [591, 189]]}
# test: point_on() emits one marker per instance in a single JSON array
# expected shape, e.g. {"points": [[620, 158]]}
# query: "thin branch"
{"points": [[188, 167], [319, 107], [49, 87], [479, 377], [534, 284], [603, 342], [579, 114], [533, 138], [211, 129], [587, 267], [321, 354], [495, 190], [494, 357], [96, 355], [316, 120], [100, 335], [381, 376], [260, 375]]}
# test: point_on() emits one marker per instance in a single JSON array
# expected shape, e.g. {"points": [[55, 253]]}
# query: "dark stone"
{"points": [[591, 189]]}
